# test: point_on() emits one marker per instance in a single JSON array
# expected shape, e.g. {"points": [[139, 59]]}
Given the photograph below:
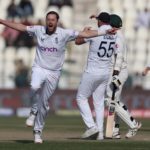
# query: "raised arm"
{"points": [[89, 33], [79, 41], [95, 33], [16, 26]]}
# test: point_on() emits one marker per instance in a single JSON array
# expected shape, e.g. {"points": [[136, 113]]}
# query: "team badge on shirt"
{"points": [[42, 39], [116, 45]]}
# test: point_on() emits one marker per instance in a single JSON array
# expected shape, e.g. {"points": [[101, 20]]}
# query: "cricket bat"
{"points": [[110, 116]]}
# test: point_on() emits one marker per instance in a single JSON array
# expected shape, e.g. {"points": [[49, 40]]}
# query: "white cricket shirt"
{"points": [[121, 51], [101, 49], [50, 49]]}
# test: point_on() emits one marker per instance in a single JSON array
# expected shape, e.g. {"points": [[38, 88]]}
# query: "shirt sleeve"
{"points": [[103, 30], [71, 34], [119, 50], [32, 30]]}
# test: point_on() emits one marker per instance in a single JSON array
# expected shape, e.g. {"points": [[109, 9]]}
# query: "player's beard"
{"points": [[51, 30]]}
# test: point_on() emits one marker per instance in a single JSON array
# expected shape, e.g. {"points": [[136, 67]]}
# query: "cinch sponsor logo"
{"points": [[48, 49]]}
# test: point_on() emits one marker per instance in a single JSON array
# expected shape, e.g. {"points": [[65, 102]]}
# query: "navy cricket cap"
{"points": [[104, 17], [115, 21]]}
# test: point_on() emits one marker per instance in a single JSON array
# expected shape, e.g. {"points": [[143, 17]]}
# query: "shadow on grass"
{"points": [[145, 130], [74, 138], [92, 137], [23, 141]]}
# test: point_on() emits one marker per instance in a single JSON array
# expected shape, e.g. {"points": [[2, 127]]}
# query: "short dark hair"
{"points": [[104, 17], [53, 13]]}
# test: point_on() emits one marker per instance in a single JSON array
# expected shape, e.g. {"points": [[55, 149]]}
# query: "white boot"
{"points": [[133, 132], [100, 136], [37, 137], [30, 120], [90, 133], [116, 133]]}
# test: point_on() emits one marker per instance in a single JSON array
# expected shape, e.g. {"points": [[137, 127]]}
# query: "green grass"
{"points": [[62, 133], [53, 145]]}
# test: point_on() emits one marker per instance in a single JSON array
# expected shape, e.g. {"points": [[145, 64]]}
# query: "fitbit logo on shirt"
{"points": [[48, 49]]}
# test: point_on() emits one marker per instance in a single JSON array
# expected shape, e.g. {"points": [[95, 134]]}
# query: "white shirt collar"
{"points": [[56, 32]]}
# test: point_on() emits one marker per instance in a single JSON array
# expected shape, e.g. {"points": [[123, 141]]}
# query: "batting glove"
{"points": [[115, 81]]}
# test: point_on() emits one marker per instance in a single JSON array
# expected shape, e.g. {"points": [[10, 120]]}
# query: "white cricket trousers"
{"points": [[44, 83], [94, 85]]}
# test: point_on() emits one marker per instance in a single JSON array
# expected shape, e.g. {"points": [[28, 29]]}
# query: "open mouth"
{"points": [[50, 25]]}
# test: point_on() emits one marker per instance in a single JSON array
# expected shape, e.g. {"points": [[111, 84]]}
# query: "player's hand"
{"points": [[87, 28], [112, 31], [115, 81], [92, 16], [145, 71]]}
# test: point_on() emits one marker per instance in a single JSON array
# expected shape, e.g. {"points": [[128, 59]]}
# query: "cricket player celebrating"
{"points": [[46, 69], [120, 74], [95, 77]]}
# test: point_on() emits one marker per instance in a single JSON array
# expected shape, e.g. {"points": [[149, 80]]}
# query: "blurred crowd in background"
{"points": [[17, 49]]}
